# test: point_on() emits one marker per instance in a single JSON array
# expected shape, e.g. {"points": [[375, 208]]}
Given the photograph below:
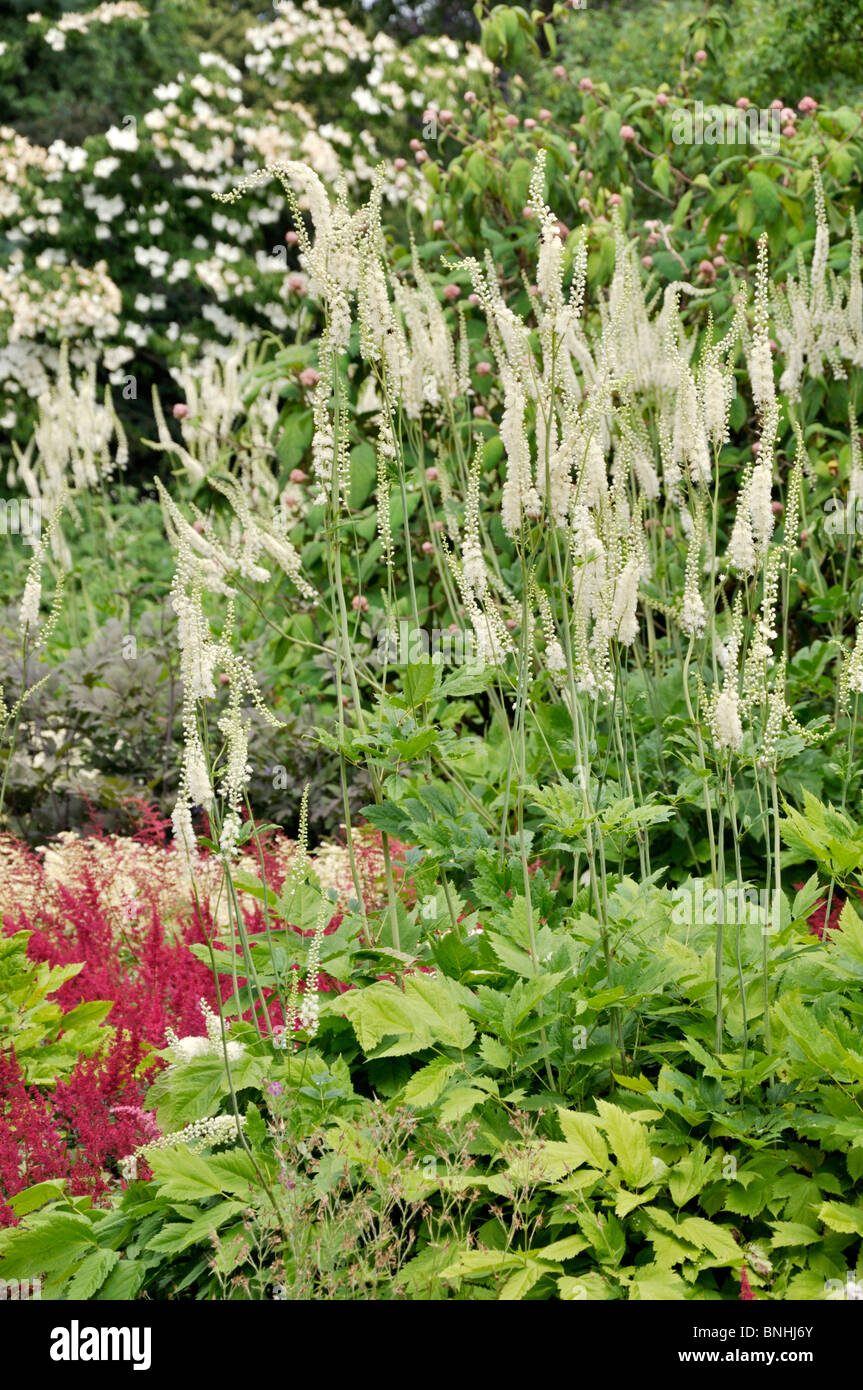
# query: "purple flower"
{"points": [[275, 1088]]}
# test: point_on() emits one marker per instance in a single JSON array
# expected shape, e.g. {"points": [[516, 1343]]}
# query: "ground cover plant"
{"points": [[433, 857]]}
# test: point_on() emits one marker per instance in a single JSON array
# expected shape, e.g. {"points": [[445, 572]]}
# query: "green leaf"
{"points": [[494, 1052], [57, 1242], [654, 1284], [629, 1143], [793, 1233], [583, 1137], [34, 1197], [176, 1236], [520, 171], [520, 1283], [419, 682], [688, 1177], [766, 195], [426, 1085], [715, 1239], [460, 1102], [187, 1176], [839, 1216], [91, 1274], [424, 1013], [364, 472], [123, 1282]]}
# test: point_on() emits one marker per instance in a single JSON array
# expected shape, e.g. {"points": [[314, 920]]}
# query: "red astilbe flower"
{"points": [[817, 919], [746, 1293], [32, 1148]]}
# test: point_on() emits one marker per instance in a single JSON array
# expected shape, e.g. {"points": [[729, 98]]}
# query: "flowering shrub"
{"points": [[144, 186], [554, 528]]}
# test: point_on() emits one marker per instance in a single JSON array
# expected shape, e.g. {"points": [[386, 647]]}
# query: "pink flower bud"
{"points": [[359, 603], [480, 412], [180, 411], [445, 116], [429, 115], [512, 624], [451, 292], [309, 377], [527, 213], [804, 536], [719, 261], [198, 526], [627, 132], [484, 369], [427, 548], [296, 284], [297, 475], [511, 121], [756, 448], [473, 299], [559, 72], [432, 475], [470, 98], [662, 98], [420, 156], [647, 262], [588, 176], [789, 131], [224, 678], [438, 224], [786, 114], [400, 163], [584, 204], [544, 114], [807, 105], [292, 238], [585, 84], [529, 123], [706, 271], [562, 230], [701, 55], [615, 199], [742, 103], [669, 532], [438, 526], [776, 508], [415, 144], [777, 104]]}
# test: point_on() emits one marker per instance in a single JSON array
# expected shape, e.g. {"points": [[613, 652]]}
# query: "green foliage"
{"points": [[48, 1042]]}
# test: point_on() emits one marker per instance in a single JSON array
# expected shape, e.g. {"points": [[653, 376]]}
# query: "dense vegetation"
{"points": [[431, 659]]}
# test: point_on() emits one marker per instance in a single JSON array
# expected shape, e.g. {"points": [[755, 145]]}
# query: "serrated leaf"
{"points": [[91, 1274], [792, 1233], [427, 1084], [583, 1139], [841, 1217], [629, 1143]]}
